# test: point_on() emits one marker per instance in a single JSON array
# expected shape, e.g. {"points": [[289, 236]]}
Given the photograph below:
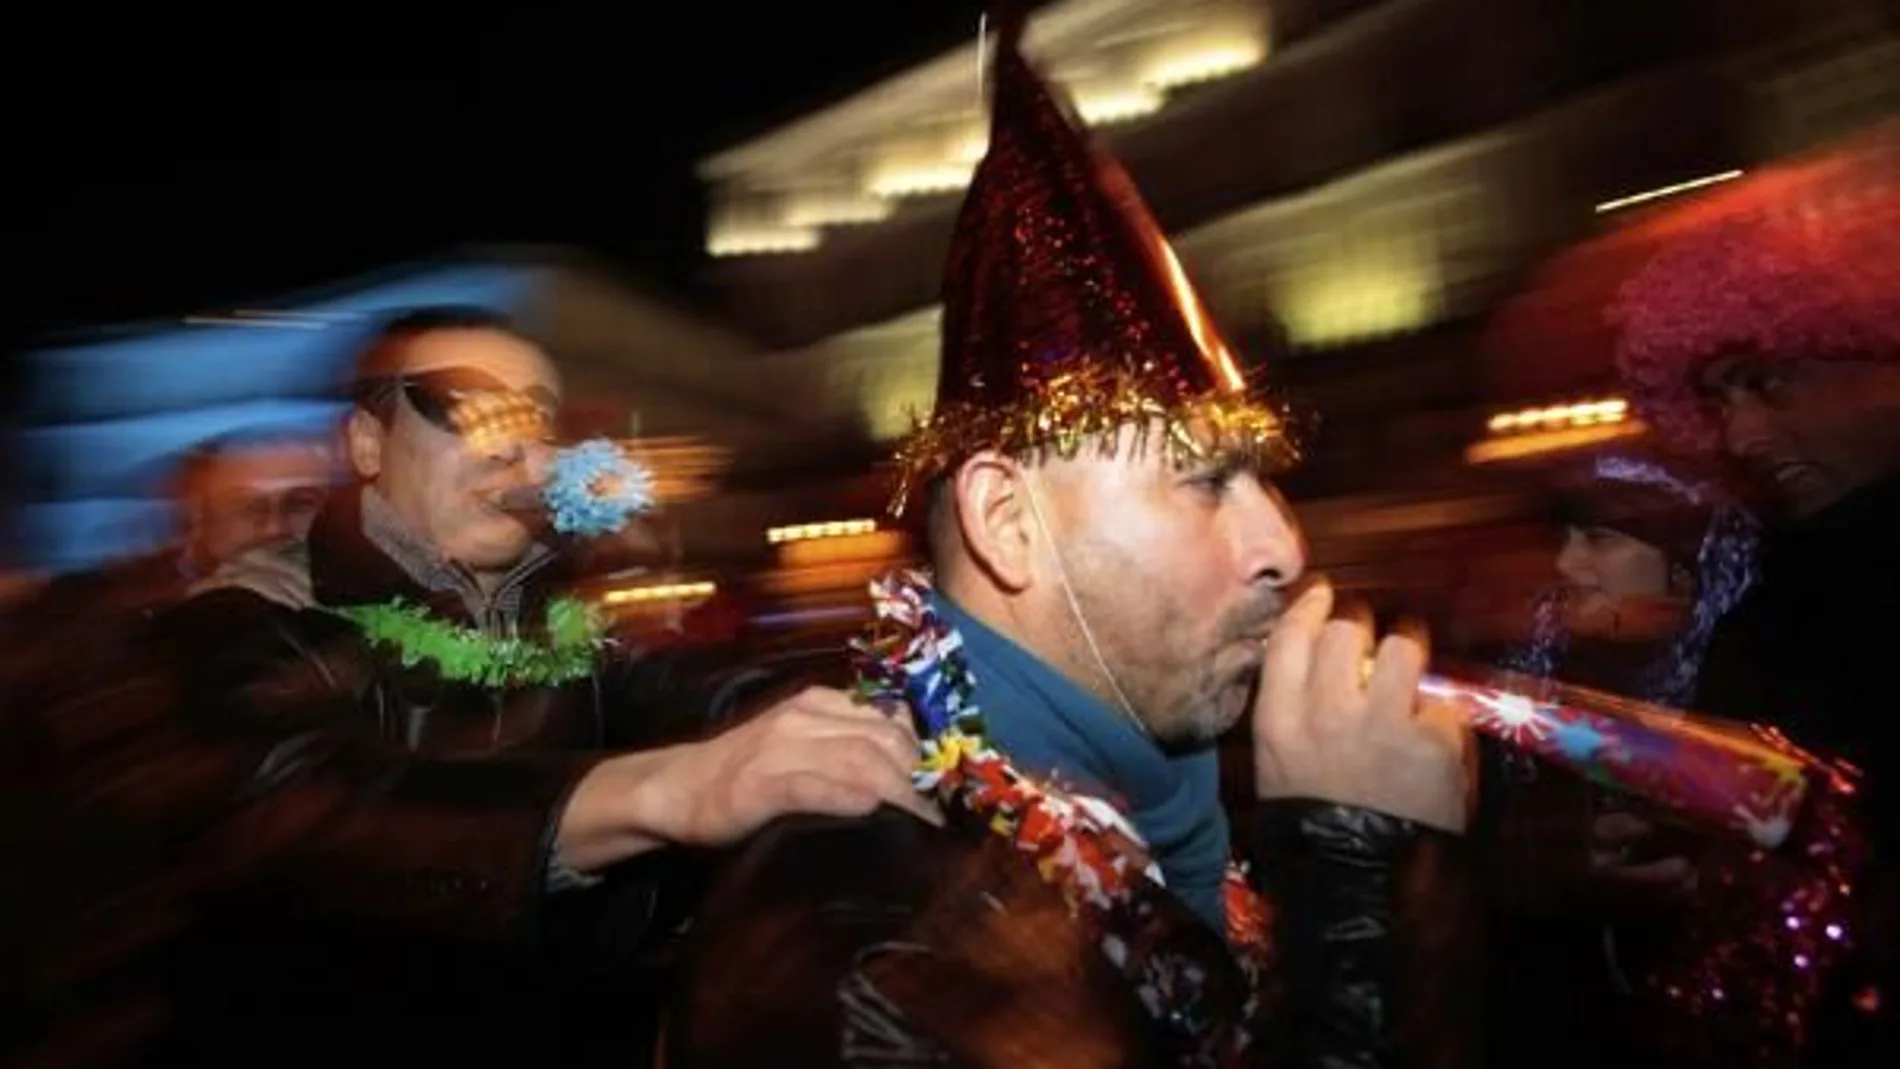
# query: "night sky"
{"points": [[190, 168]]}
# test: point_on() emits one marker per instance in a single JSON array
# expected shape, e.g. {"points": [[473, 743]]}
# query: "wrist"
{"points": [[614, 813]]}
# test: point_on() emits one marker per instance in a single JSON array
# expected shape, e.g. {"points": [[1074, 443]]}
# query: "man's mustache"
{"points": [[1255, 618], [522, 499]]}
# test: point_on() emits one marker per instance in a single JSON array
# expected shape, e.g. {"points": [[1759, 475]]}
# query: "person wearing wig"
{"points": [[1770, 339], [1649, 560]]}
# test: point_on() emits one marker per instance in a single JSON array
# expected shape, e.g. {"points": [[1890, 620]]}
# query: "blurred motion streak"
{"points": [[684, 468], [1545, 442]]}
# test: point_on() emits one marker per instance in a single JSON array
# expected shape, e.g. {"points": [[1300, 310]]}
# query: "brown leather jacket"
{"points": [[343, 859], [886, 941]]}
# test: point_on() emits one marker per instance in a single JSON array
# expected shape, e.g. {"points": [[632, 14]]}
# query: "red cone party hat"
{"points": [[1065, 313]]}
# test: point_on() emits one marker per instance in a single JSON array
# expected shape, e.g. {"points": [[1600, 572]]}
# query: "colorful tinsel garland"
{"points": [[914, 660]]}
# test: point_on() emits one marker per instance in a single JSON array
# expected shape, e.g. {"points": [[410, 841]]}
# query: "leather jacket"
{"points": [[83, 815], [887, 941], [349, 858]]}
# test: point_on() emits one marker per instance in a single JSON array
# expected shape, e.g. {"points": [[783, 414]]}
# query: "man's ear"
{"points": [[363, 437], [995, 517]]}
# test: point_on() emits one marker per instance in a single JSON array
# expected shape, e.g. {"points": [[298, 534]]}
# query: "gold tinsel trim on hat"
{"points": [[1091, 405]]}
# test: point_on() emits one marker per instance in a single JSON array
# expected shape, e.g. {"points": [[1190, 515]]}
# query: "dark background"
{"points": [[171, 168]]}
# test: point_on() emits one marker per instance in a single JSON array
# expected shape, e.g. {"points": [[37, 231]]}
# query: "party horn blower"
{"points": [[594, 488], [1776, 918], [1740, 778]]}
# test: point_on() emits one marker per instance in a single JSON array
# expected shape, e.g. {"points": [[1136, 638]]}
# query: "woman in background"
{"points": [[1584, 886]]}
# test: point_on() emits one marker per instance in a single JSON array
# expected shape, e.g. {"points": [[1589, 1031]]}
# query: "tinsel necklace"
{"points": [[573, 635], [913, 659]]}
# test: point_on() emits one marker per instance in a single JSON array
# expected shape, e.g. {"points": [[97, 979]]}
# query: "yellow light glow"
{"points": [[918, 179], [886, 371], [1108, 106], [829, 552], [1176, 66], [1354, 298], [1518, 446], [829, 529], [811, 210], [970, 148], [761, 240], [659, 593], [751, 223], [1597, 413], [816, 579]]}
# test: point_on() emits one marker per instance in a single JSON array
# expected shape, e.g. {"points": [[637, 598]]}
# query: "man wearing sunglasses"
{"points": [[396, 851]]}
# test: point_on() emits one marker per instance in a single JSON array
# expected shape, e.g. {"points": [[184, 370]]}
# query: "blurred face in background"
{"points": [[1607, 574], [254, 496], [1811, 431]]}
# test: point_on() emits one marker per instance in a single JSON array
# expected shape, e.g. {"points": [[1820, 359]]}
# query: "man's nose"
{"points": [[537, 460], [267, 520], [1571, 561], [1273, 549], [1749, 430]]}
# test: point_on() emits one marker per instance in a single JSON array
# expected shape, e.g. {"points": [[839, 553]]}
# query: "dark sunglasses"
{"points": [[470, 404]]}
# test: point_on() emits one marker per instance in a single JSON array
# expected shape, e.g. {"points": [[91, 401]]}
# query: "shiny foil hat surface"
{"points": [[1065, 313]]}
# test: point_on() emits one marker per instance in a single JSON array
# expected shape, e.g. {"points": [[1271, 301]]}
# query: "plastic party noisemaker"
{"points": [[1741, 778], [1776, 919], [594, 488]]}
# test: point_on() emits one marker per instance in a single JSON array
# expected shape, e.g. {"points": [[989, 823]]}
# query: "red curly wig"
{"points": [[1800, 263]]}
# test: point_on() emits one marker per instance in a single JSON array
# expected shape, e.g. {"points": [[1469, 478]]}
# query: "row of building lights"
{"points": [[1100, 103], [674, 593], [662, 592], [1556, 417], [946, 165], [804, 532], [1531, 432]]}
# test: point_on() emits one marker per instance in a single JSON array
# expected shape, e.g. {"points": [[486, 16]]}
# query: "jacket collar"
{"points": [[361, 553]]}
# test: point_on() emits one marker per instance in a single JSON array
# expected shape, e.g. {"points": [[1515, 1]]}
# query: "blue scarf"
{"points": [[1046, 724]]}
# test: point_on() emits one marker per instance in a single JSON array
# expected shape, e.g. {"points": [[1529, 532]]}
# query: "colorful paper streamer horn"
{"points": [[1779, 910], [1741, 778]]}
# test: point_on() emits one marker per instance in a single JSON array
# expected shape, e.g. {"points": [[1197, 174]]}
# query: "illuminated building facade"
{"points": [[1355, 185]]}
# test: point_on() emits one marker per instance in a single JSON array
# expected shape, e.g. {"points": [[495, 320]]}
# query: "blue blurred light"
{"points": [[72, 535], [222, 360], [133, 457]]}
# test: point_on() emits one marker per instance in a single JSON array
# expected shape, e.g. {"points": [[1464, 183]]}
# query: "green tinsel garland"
{"points": [[575, 633]]}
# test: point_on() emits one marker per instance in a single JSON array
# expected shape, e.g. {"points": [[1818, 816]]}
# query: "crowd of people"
{"points": [[352, 777]]}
